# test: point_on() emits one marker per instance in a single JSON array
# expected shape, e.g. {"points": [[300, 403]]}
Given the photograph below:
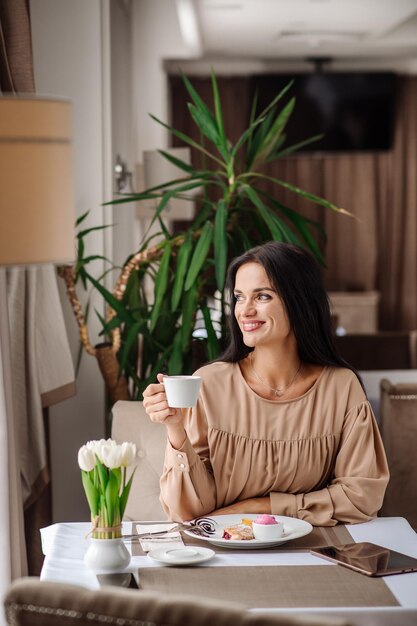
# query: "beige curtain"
{"points": [[16, 69], [42, 373], [16, 74], [351, 243], [377, 249], [397, 216], [12, 543]]}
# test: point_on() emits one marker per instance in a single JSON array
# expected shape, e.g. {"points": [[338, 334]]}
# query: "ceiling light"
{"points": [[188, 24], [322, 35], [223, 6]]}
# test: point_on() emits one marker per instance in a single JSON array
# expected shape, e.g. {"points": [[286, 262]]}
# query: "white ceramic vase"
{"points": [[107, 555]]}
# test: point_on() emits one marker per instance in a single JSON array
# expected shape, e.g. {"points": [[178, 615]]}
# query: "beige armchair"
{"points": [[399, 433], [130, 423], [30, 602]]}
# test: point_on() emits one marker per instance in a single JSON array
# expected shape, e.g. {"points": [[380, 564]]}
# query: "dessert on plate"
{"points": [[262, 527], [265, 519], [242, 532], [266, 527]]}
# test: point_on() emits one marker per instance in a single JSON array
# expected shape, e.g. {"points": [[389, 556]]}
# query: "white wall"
{"points": [[156, 37], [69, 48], [122, 216]]}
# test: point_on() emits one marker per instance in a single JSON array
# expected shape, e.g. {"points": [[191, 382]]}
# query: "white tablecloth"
{"points": [[64, 546]]}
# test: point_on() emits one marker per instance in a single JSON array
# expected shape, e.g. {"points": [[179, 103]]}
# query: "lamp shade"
{"points": [[36, 189]]}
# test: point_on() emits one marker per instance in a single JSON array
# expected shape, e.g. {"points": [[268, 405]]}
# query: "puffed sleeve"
{"points": [[187, 484], [356, 490]]}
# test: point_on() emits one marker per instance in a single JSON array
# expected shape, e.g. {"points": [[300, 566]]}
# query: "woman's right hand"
{"points": [[156, 405]]}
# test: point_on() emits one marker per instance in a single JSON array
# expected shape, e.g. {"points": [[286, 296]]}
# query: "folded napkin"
{"points": [[169, 540]]}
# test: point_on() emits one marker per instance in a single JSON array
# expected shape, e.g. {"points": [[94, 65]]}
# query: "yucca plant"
{"points": [[188, 268]]}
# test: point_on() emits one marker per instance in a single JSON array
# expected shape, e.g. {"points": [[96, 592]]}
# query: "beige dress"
{"points": [[318, 457]]}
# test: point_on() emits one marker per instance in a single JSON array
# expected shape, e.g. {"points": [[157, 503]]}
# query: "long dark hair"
{"points": [[295, 274]]}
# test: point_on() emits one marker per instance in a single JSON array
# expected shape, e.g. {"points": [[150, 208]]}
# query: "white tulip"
{"points": [[128, 453], [95, 446], [111, 454], [86, 459]]}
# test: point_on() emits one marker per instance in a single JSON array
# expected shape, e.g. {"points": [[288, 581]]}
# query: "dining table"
{"points": [[285, 578]]}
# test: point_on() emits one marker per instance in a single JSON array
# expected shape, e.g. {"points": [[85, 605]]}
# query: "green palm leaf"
{"points": [[273, 134], [304, 194], [274, 227], [218, 111], [81, 218], [205, 124], [176, 359], [183, 258], [246, 137], [213, 348], [277, 98], [188, 315], [220, 243], [199, 103], [178, 162], [302, 225], [211, 127], [200, 254], [130, 341], [297, 146], [187, 140], [161, 283], [111, 300]]}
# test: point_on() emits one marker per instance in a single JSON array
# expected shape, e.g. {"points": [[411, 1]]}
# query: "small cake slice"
{"points": [[238, 532]]}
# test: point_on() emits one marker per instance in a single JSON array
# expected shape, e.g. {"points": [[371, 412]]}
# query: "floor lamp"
{"points": [[37, 219]]}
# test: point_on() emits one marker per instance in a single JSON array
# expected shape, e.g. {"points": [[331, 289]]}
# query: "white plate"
{"points": [[182, 556], [293, 529]]}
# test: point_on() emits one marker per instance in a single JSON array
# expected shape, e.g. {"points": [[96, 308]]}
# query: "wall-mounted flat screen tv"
{"points": [[354, 111]]}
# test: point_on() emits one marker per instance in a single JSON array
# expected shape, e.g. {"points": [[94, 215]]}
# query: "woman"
{"points": [[282, 424]]}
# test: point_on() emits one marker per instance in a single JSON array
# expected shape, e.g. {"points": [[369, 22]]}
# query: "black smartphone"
{"points": [[368, 558], [120, 579]]}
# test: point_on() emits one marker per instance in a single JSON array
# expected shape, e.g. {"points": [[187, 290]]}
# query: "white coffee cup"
{"points": [[182, 391]]}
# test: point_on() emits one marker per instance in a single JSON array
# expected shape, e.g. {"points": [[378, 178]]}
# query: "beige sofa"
{"points": [[399, 433], [130, 423]]}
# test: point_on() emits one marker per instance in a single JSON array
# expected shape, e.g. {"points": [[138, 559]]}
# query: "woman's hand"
{"points": [[156, 405], [252, 505]]}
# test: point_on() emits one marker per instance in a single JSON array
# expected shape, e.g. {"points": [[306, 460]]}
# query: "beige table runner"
{"points": [[284, 586]]}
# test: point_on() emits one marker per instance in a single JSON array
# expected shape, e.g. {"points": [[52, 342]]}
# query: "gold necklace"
{"points": [[278, 391]]}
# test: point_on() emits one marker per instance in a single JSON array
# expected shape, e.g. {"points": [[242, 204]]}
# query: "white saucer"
{"points": [[181, 556]]}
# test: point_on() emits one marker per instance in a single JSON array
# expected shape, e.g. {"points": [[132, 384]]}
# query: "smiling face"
{"points": [[259, 310]]}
